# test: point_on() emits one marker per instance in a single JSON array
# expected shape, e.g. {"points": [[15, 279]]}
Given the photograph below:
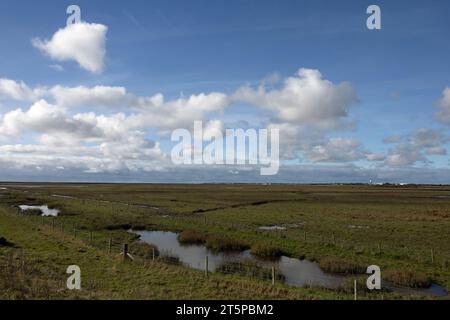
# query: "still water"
{"points": [[296, 272], [46, 212]]}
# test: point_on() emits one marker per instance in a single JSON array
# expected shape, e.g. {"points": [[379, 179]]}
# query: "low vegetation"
{"points": [[191, 237], [222, 243], [144, 250], [344, 228], [407, 278], [339, 266], [267, 251], [249, 268]]}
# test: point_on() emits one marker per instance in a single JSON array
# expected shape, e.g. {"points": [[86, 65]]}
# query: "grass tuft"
{"points": [[220, 243], [338, 266], [248, 268], [264, 250], [407, 278], [191, 237]]}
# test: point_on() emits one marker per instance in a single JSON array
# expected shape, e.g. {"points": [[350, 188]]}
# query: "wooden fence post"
{"points": [[125, 251], [273, 276], [153, 254], [110, 246], [355, 289], [53, 223], [90, 238], [432, 255], [206, 266]]}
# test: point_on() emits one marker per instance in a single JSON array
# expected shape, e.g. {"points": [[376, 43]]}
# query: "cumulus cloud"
{"points": [[436, 151], [306, 109], [89, 96], [13, 90], [375, 156], [337, 150], [82, 42], [392, 139], [404, 155], [179, 113], [443, 105], [84, 141], [306, 98], [427, 138], [420, 144], [56, 125]]}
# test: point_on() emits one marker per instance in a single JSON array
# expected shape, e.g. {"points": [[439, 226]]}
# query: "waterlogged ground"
{"points": [[404, 230]]}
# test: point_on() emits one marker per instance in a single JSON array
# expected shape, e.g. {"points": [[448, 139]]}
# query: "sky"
{"points": [[98, 100]]}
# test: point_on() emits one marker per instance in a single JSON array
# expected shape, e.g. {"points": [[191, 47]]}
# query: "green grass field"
{"points": [[404, 230]]}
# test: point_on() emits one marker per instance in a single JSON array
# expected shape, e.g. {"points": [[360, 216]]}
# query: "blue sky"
{"points": [[185, 48]]}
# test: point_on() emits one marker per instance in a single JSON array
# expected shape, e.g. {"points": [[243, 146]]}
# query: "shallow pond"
{"points": [[272, 228], [296, 272], [46, 211]]}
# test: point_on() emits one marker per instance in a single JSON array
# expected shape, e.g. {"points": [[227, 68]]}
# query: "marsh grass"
{"points": [[191, 237], [267, 251], [20, 279], [222, 243], [168, 258], [406, 221], [407, 278], [144, 250], [340, 266], [249, 268]]}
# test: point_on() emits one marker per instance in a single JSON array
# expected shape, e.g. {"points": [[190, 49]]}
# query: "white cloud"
{"points": [[404, 155], [179, 113], [84, 141], [420, 144], [89, 96], [375, 156], [392, 139], [306, 109], [82, 42], [337, 150], [57, 127], [427, 138], [436, 151], [304, 99], [13, 90], [443, 104]]}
